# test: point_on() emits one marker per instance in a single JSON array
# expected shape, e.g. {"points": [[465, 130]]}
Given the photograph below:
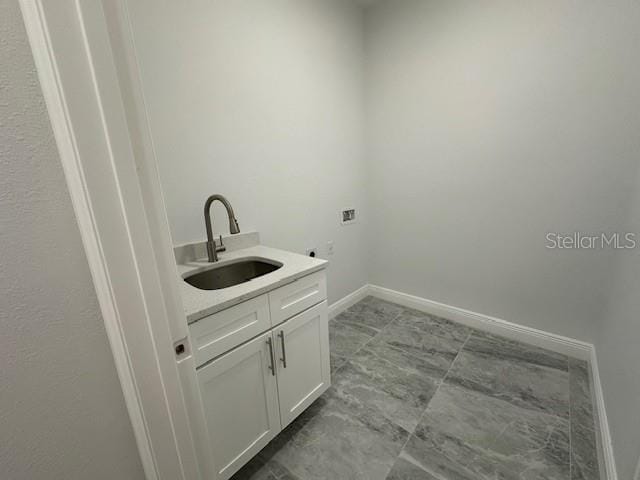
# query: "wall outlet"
{"points": [[348, 216], [330, 247], [312, 252]]}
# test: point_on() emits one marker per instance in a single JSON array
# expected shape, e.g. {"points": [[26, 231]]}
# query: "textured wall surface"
{"points": [[62, 413]]}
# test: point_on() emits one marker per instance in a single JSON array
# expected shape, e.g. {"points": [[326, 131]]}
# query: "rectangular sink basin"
{"points": [[233, 273]]}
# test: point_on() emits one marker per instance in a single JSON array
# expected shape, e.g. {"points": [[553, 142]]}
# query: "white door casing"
{"points": [[87, 70]]}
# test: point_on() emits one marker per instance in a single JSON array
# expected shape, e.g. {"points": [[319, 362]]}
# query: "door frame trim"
{"points": [[84, 56]]}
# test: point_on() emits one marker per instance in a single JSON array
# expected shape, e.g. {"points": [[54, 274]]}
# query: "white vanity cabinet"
{"points": [[255, 389]]}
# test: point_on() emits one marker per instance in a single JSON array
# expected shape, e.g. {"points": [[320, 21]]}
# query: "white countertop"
{"points": [[201, 303]]}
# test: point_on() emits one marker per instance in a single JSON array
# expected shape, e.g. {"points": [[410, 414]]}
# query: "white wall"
{"points": [[491, 124], [618, 349], [488, 125], [62, 413], [262, 102]]}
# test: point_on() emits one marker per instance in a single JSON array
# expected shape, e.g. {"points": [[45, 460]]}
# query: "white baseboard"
{"points": [[341, 305], [606, 444], [531, 336]]}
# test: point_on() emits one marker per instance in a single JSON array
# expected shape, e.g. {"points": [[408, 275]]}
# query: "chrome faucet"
{"points": [[212, 249]]}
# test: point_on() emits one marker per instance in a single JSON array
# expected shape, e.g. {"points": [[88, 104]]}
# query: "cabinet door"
{"points": [[303, 361], [240, 399]]}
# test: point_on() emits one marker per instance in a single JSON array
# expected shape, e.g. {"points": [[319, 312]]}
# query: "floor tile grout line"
{"points": [[408, 352], [375, 336], [346, 359], [432, 397], [349, 357], [464, 344], [457, 356], [403, 310], [409, 434], [552, 415], [400, 313]]}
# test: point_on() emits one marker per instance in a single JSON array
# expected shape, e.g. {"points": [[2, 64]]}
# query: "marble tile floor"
{"points": [[416, 397]]}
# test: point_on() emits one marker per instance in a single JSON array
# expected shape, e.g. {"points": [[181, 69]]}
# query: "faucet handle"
{"points": [[221, 248]]}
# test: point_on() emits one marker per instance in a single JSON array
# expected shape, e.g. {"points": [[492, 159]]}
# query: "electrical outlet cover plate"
{"points": [[348, 216]]}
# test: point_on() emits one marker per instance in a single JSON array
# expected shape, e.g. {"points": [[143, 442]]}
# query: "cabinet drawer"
{"points": [[287, 301], [222, 331]]}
